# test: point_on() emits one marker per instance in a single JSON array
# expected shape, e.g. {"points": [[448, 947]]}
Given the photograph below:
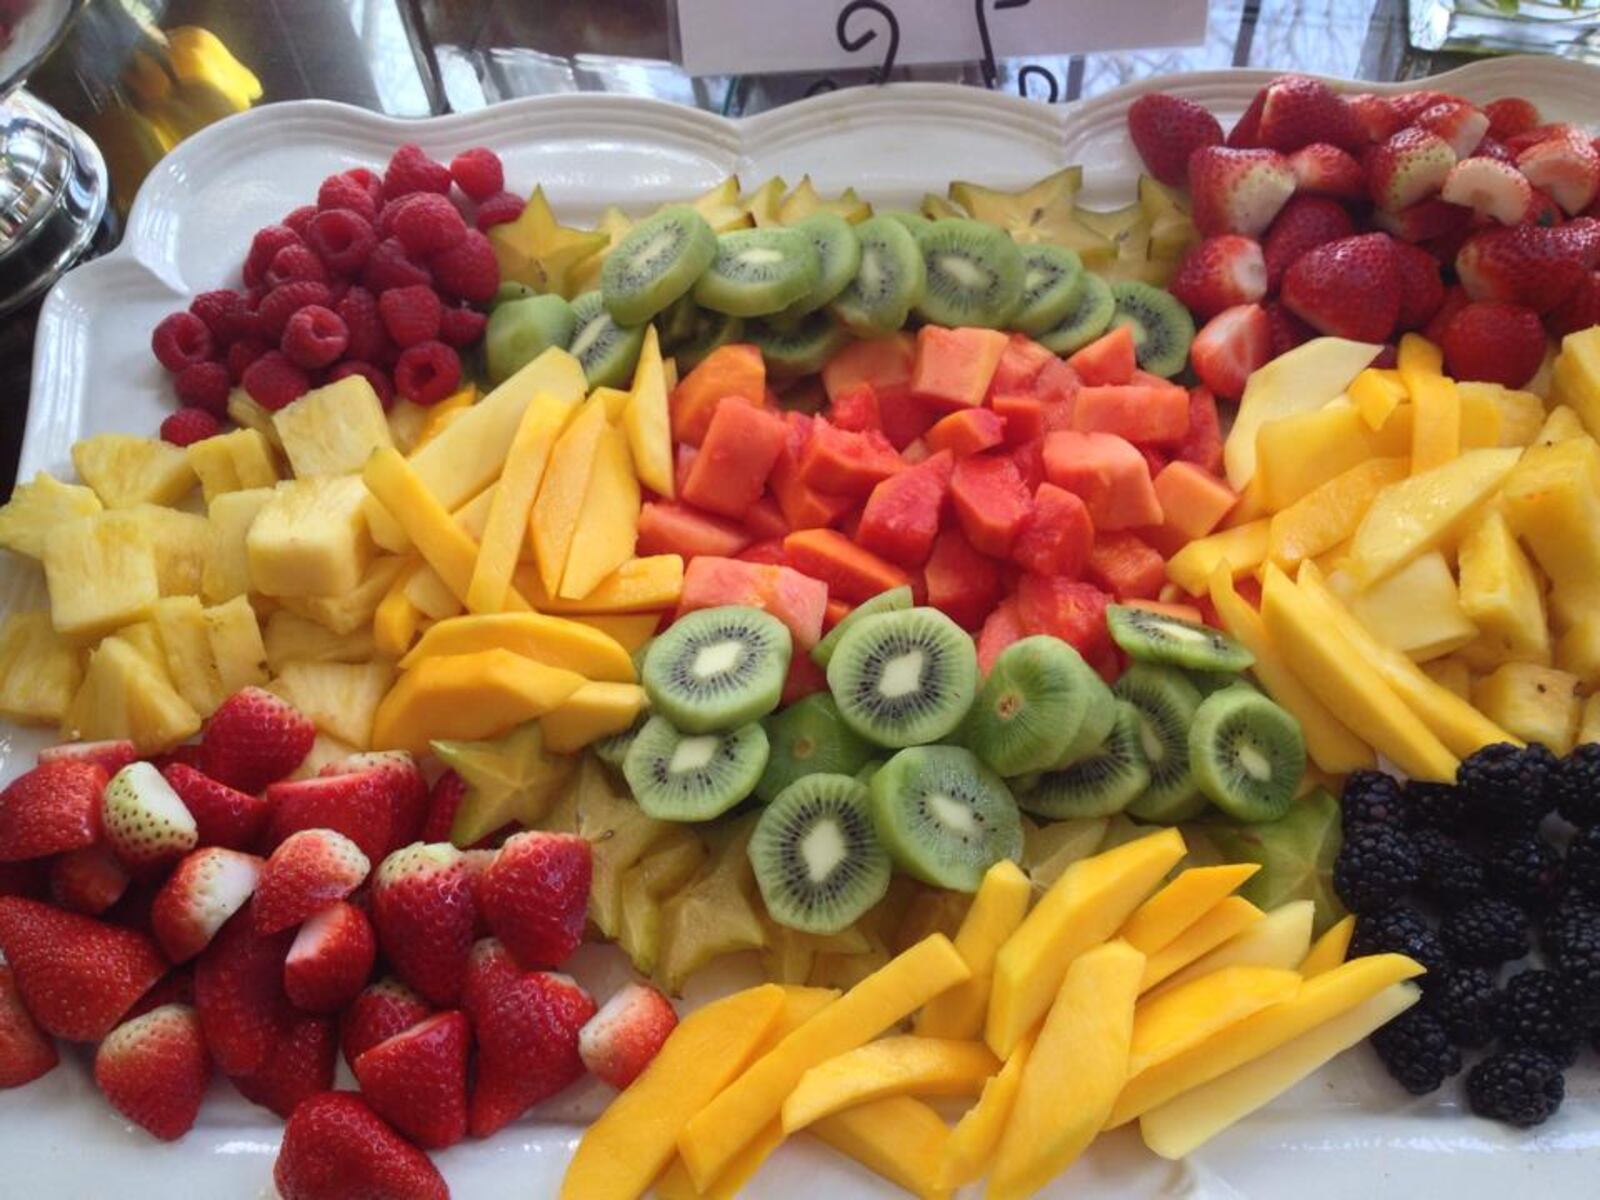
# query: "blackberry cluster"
{"points": [[1506, 787], [1525, 868], [1519, 1087], [1371, 798], [1486, 932], [1400, 930], [1575, 786], [1536, 1013], [1376, 867], [1417, 1050], [1465, 1000], [1574, 951], [1435, 806], [1583, 862], [1451, 874]]}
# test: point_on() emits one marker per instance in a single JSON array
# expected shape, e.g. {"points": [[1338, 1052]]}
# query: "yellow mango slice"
{"points": [[1179, 1018], [891, 1066], [1086, 906], [594, 711], [1376, 393], [1243, 548], [467, 697], [977, 1134], [554, 641], [1436, 423], [997, 909], [608, 521], [1297, 455], [628, 630], [1160, 919], [627, 1146], [1330, 512], [396, 620], [647, 421], [1318, 1000], [439, 417], [1416, 361], [899, 1138], [554, 518], [1552, 500], [1183, 1125], [1328, 951], [1303, 380], [1280, 939], [1417, 610], [722, 1128], [1229, 917], [1078, 1065], [644, 584], [507, 523]]}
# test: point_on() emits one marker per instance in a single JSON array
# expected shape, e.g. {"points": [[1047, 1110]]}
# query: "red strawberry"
{"points": [[302, 1063], [238, 991], [176, 987], [1305, 222], [223, 816], [1219, 273], [1408, 106], [360, 806], [386, 1008], [1579, 310], [197, 899], [1460, 124], [1325, 170], [1166, 130], [1246, 132], [1520, 264], [1374, 115], [619, 1041], [535, 895], [253, 739], [1492, 190], [1298, 110], [1237, 191], [423, 910], [1229, 347], [1566, 167], [109, 756], [1455, 299], [448, 792], [309, 871], [51, 809], [1511, 115], [1489, 148], [1499, 343], [1581, 237], [25, 1052], [1542, 210], [417, 1080], [88, 881], [1408, 168], [154, 1070], [76, 975], [1348, 288], [527, 1027], [1426, 221], [408, 789], [330, 960], [336, 1148], [145, 822], [1421, 288]]}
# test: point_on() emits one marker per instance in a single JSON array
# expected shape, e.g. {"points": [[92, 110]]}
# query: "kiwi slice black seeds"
{"points": [[677, 776], [655, 263], [1249, 754], [944, 817], [717, 668], [904, 678], [1157, 638], [817, 858], [974, 274], [1099, 784]]}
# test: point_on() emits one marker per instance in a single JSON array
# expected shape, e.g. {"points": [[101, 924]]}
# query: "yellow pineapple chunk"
{"points": [[145, 639], [1578, 650], [125, 470], [1562, 425], [235, 636], [1576, 378], [331, 430], [1552, 500], [38, 670], [311, 538], [38, 507], [1521, 413], [180, 541], [430, 595], [1416, 610], [349, 611], [340, 698], [246, 412], [186, 645], [233, 462], [1501, 591], [227, 568], [1537, 704], [1452, 674], [289, 637], [121, 697], [101, 572]]}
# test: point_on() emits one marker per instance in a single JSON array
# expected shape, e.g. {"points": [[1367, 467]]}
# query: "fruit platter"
{"points": [[920, 643]]}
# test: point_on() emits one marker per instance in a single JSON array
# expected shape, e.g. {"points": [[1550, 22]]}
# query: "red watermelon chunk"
{"points": [[1000, 629], [1029, 458], [769, 552], [1126, 567], [1019, 365], [764, 519], [1109, 359], [1108, 473], [991, 501], [1065, 608], [1058, 535], [962, 583], [850, 572], [1144, 415], [795, 599], [741, 445], [954, 366], [668, 528], [802, 507], [970, 431], [902, 516], [846, 463], [856, 408], [1202, 444], [804, 679]]}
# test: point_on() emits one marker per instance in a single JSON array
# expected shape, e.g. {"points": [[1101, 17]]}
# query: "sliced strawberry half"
{"points": [[238, 991], [1232, 345], [54, 808], [1460, 124], [1408, 168], [255, 738], [408, 789], [386, 1008], [618, 1042], [424, 912], [1324, 170], [417, 1080], [1298, 110], [1238, 191], [1568, 168], [145, 822], [1492, 190], [330, 960], [199, 897], [335, 1147], [309, 871], [301, 1063], [110, 756], [535, 896], [1219, 273], [1511, 115], [89, 880], [358, 805], [154, 1070]]}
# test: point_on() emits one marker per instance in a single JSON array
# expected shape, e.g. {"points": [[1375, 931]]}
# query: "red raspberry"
{"points": [[429, 223], [314, 337], [461, 326], [411, 314], [336, 290], [388, 267], [358, 309], [410, 170], [244, 321], [205, 385], [293, 263], [373, 375], [180, 340], [189, 425], [266, 243], [273, 381], [500, 209], [300, 219], [215, 309], [427, 372], [371, 181], [478, 172], [343, 239], [282, 303], [341, 191], [242, 353], [467, 272], [387, 214]]}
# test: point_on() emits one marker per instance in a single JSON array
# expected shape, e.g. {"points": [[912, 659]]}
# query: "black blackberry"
{"points": [[1572, 916], [1451, 874], [1583, 862], [1506, 786], [1574, 948], [1401, 930], [1376, 866], [1464, 1000], [1417, 1051], [1371, 798], [1518, 1087], [1536, 1013], [1525, 868], [1435, 806], [1575, 785], [1485, 932]]}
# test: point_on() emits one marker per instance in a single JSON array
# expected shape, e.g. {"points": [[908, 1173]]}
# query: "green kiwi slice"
{"points": [[757, 272], [869, 769], [896, 599], [1162, 327], [838, 259], [1030, 707], [1206, 682], [904, 678], [613, 748], [817, 859], [1103, 782], [975, 274], [1098, 717], [606, 351], [678, 776], [890, 279], [657, 261], [1052, 277], [1157, 638], [717, 668], [1166, 703], [520, 330], [806, 738], [799, 349], [944, 817], [711, 330], [1088, 317], [1248, 754], [678, 323], [912, 222]]}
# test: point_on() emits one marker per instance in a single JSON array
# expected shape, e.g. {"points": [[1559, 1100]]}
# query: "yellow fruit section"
{"points": [[891, 1066], [467, 696], [647, 420], [608, 520], [39, 672], [1417, 610], [1228, 918], [1536, 704], [36, 508], [1160, 919], [997, 909], [1181, 1017], [1243, 548], [1501, 591], [1436, 422], [594, 711], [554, 641], [331, 430], [1297, 455], [1279, 940], [647, 584], [901, 1139], [977, 1134], [125, 470], [554, 519], [101, 573], [1329, 513], [1329, 950], [1576, 380], [310, 538]]}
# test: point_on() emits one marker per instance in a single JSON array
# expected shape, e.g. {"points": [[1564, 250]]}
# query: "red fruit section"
{"points": [[961, 582], [902, 516], [1057, 536], [1108, 473], [969, 432], [1109, 360], [797, 600], [667, 528], [954, 366], [742, 443], [1138, 412], [991, 501], [734, 370]]}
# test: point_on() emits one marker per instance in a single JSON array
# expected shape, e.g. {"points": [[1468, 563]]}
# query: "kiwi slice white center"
{"points": [[717, 658], [658, 245], [1253, 763], [823, 849], [693, 753], [952, 812], [759, 256], [962, 269], [1150, 742], [902, 675]]}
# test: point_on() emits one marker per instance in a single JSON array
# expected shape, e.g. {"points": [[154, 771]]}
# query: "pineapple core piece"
{"points": [[311, 538], [331, 430], [227, 565], [101, 572]]}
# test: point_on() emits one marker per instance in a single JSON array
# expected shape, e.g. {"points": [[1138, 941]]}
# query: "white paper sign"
{"points": [[757, 37]]}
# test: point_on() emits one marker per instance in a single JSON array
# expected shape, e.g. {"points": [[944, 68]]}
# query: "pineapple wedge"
{"points": [[289, 637], [1552, 500], [1501, 591], [227, 566], [1589, 723], [39, 672], [331, 430], [186, 644], [232, 462], [311, 538], [38, 507], [340, 698], [181, 541], [1576, 379], [121, 697], [246, 412], [1578, 650], [1537, 704], [125, 470], [235, 637], [145, 639], [1416, 610], [1562, 425], [101, 572], [346, 613]]}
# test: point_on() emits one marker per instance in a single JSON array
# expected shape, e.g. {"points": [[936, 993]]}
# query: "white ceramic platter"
{"points": [[1344, 1132]]}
